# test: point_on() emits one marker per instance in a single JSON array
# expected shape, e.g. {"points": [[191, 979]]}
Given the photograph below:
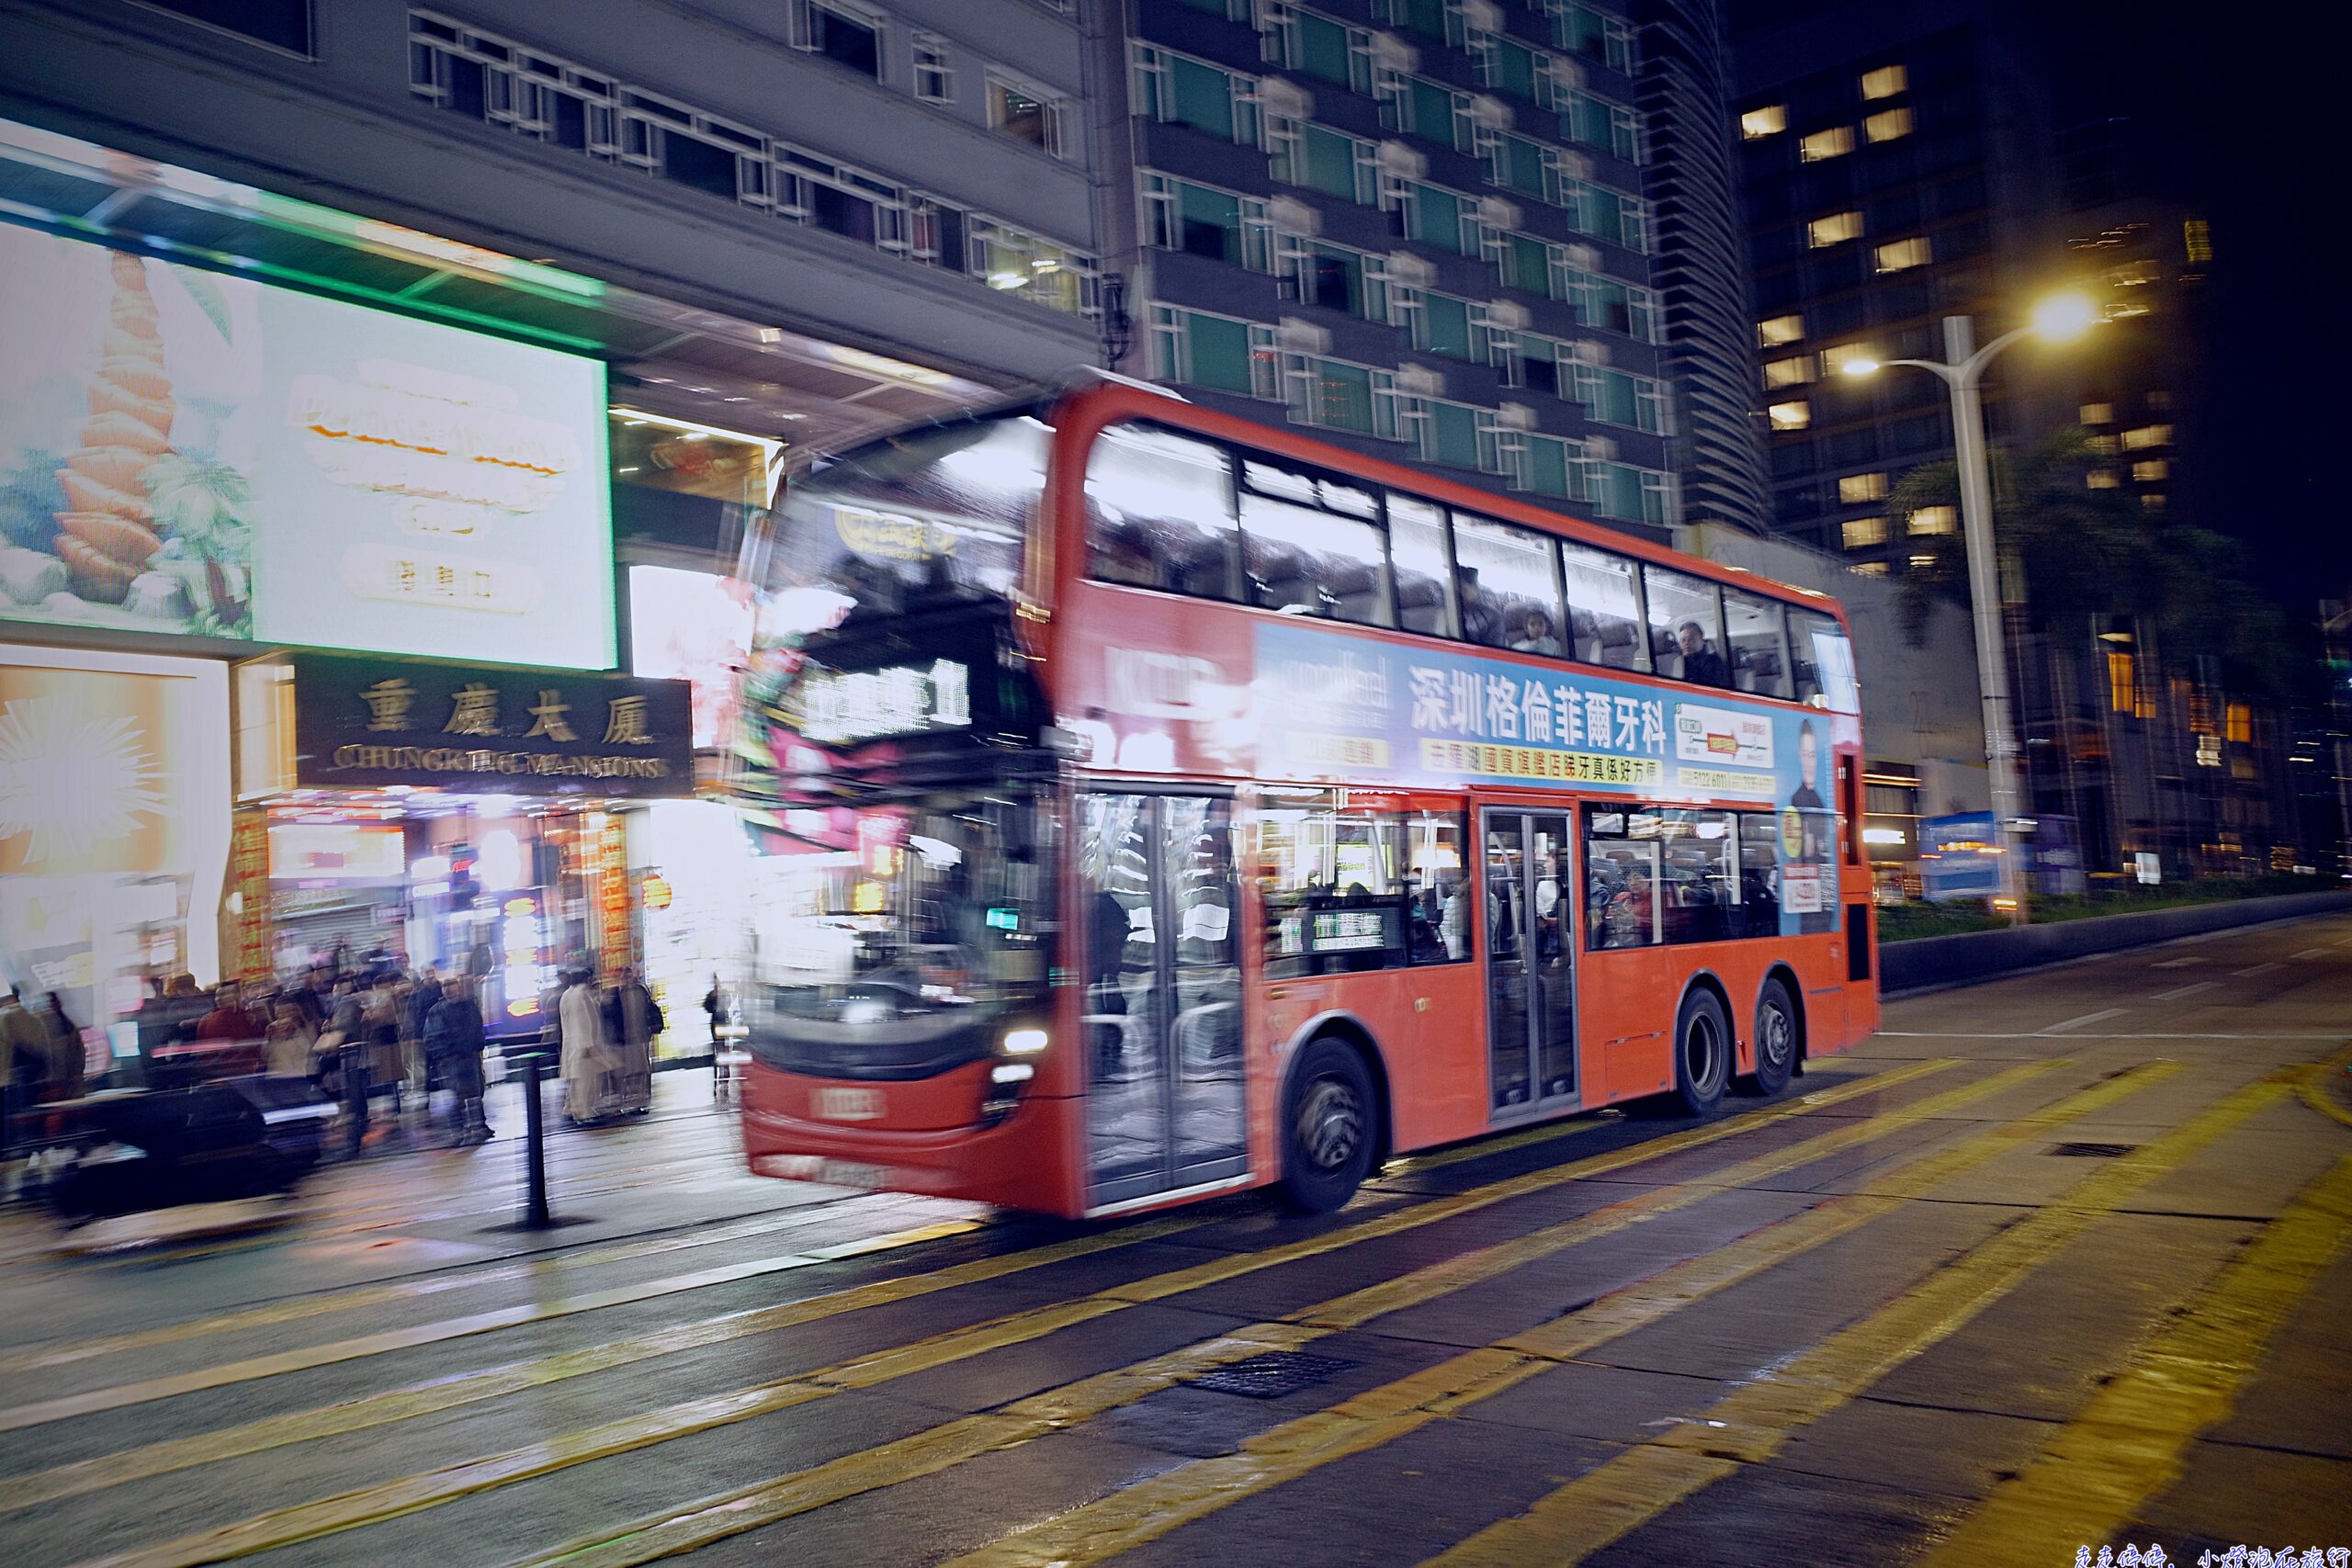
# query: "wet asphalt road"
{"points": [[2056, 1261]]}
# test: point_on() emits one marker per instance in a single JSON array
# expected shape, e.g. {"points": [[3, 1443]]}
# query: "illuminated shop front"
{"points": [[460, 818], [114, 829]]}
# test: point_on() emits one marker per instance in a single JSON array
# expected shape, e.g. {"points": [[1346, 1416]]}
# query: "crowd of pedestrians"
{"points": [[397, 1047]]}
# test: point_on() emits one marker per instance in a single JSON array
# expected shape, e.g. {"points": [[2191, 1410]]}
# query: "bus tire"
{"points": [[1776, 1039], [1328, 1124], [1702, 1054]]}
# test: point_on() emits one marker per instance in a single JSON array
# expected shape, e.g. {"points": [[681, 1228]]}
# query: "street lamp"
{"points": [[2057, 319]]}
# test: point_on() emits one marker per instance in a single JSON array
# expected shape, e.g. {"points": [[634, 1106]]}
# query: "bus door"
{"points": [[1530, 952], [1165, 1109]]}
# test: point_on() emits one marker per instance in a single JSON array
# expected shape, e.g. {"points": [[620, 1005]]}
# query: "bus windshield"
{"points": [[936, 514], [896, 940]]}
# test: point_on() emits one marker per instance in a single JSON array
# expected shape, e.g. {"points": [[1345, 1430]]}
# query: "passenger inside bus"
{"points": [[1536, 635]]}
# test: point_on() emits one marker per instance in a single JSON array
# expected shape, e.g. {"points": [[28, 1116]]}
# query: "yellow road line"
{"points": [[764, 1503], [352, 1298], [305, 1358], [2131, 1440], [373, 1505], [436, 1394], [2312, 1086], [1749, 1424], [1137, 1514]]}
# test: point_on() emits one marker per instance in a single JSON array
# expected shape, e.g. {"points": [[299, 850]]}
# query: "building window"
{"points": [[1026, 115], [1334, 394], [2098, 413], [1855, 489], [935, 78], [1596, 122], [1581, 30], [1885, 83], [2150, 470], [1613, 396], [1329, 161], [1180, 90], [1335, 277], [2099, 479], [1902, 256], [1793, 371], [1861, 533], [1014, 262], [1823, 145], [2142, 437], [1441, 324], [1770, 120], [1834, 229], [2152, 501], [1797, 415], [1934, 519], [1204, 221], [1888, 125], [843, 35], [1835, 359], [1317, 46], [1868, 569], [279, 24], [2240, 719], [1774, 331], [1218, 351]]}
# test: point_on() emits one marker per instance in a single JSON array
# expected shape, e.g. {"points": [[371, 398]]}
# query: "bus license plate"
{"points": [[849, 1104], [849, 1173]]}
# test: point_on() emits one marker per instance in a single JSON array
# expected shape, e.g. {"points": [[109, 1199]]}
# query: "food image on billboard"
{"points": [[184, 451]]}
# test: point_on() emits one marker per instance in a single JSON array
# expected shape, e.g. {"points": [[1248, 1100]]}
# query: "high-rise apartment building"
{"points": [[1430, 229]]}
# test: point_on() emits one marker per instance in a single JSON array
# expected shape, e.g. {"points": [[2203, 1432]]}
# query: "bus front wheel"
{"points": [[1701, 1054], [1328, 1126], [1776, 1038]]}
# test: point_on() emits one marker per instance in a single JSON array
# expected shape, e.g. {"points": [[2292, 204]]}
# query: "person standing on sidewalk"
{"points": [[585, 1059], [640, 1021], [453, 1048]]}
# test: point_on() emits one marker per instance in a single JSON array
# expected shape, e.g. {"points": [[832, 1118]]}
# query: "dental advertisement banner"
{"points": [[193, 452], [1339, 708]]}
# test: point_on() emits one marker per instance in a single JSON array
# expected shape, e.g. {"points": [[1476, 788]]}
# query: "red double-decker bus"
{"points": [[1154, 804]]}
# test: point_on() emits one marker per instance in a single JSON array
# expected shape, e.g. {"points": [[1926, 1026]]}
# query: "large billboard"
{"points": [[185, 451]]}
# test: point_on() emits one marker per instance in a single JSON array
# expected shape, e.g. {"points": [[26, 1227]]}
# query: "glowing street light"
{"points": [[2059, 319]]}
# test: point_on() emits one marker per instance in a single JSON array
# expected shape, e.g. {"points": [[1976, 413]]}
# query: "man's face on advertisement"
{"points": [[1808, 757]]}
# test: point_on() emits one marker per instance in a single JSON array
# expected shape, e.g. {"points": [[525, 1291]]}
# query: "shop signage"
{"points": [[840, 708], [370, 722], [191, 452], [249, 955]]}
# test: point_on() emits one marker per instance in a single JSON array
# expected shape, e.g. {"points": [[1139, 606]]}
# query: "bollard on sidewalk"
{"points": [[534, 1147]]}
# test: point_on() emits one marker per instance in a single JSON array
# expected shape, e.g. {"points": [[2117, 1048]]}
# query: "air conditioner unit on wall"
{"points": [[1491, 113], [1294, 335], [1403, 161]]}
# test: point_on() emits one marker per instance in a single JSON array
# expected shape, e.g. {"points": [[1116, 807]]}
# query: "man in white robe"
{"points": [[585, 1059]]}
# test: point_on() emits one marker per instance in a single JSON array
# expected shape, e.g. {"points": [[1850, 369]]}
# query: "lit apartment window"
{"points": [[2100, 479], [1921, 562], [2241, 724], [1934, 520], [1797, 415], [1770, 120], [1854, 488], [1822, 145], [2152, 501], [1026, 115], [935, 78], [2150, 470], [2104, 445], [2098, 413], [1902, 256], [1868, 569], [1861, 533], [1834, 229], [1792, 372], [2147, 435], [2159, 400], [1885, 82], [1774, 331], [1888, 125], [2121, 682], [1834, 358]]}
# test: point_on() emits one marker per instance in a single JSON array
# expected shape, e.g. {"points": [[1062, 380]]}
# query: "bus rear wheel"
{"points": [[1776, 1039], [1328, 1124], [1701, 1054]]}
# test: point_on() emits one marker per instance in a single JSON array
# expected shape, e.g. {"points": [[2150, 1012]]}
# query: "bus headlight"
{"points": [[1024, 1042], [1011, 1072]]}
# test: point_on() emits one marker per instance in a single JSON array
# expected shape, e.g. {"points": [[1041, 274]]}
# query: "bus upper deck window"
{"points": [[1604, 608], [1159, 512]]}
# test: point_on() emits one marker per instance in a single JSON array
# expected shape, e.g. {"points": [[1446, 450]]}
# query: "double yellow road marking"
{"points": [[1750, 1425], [371, 1505], [2093, 1480], [1129, 1519]]}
